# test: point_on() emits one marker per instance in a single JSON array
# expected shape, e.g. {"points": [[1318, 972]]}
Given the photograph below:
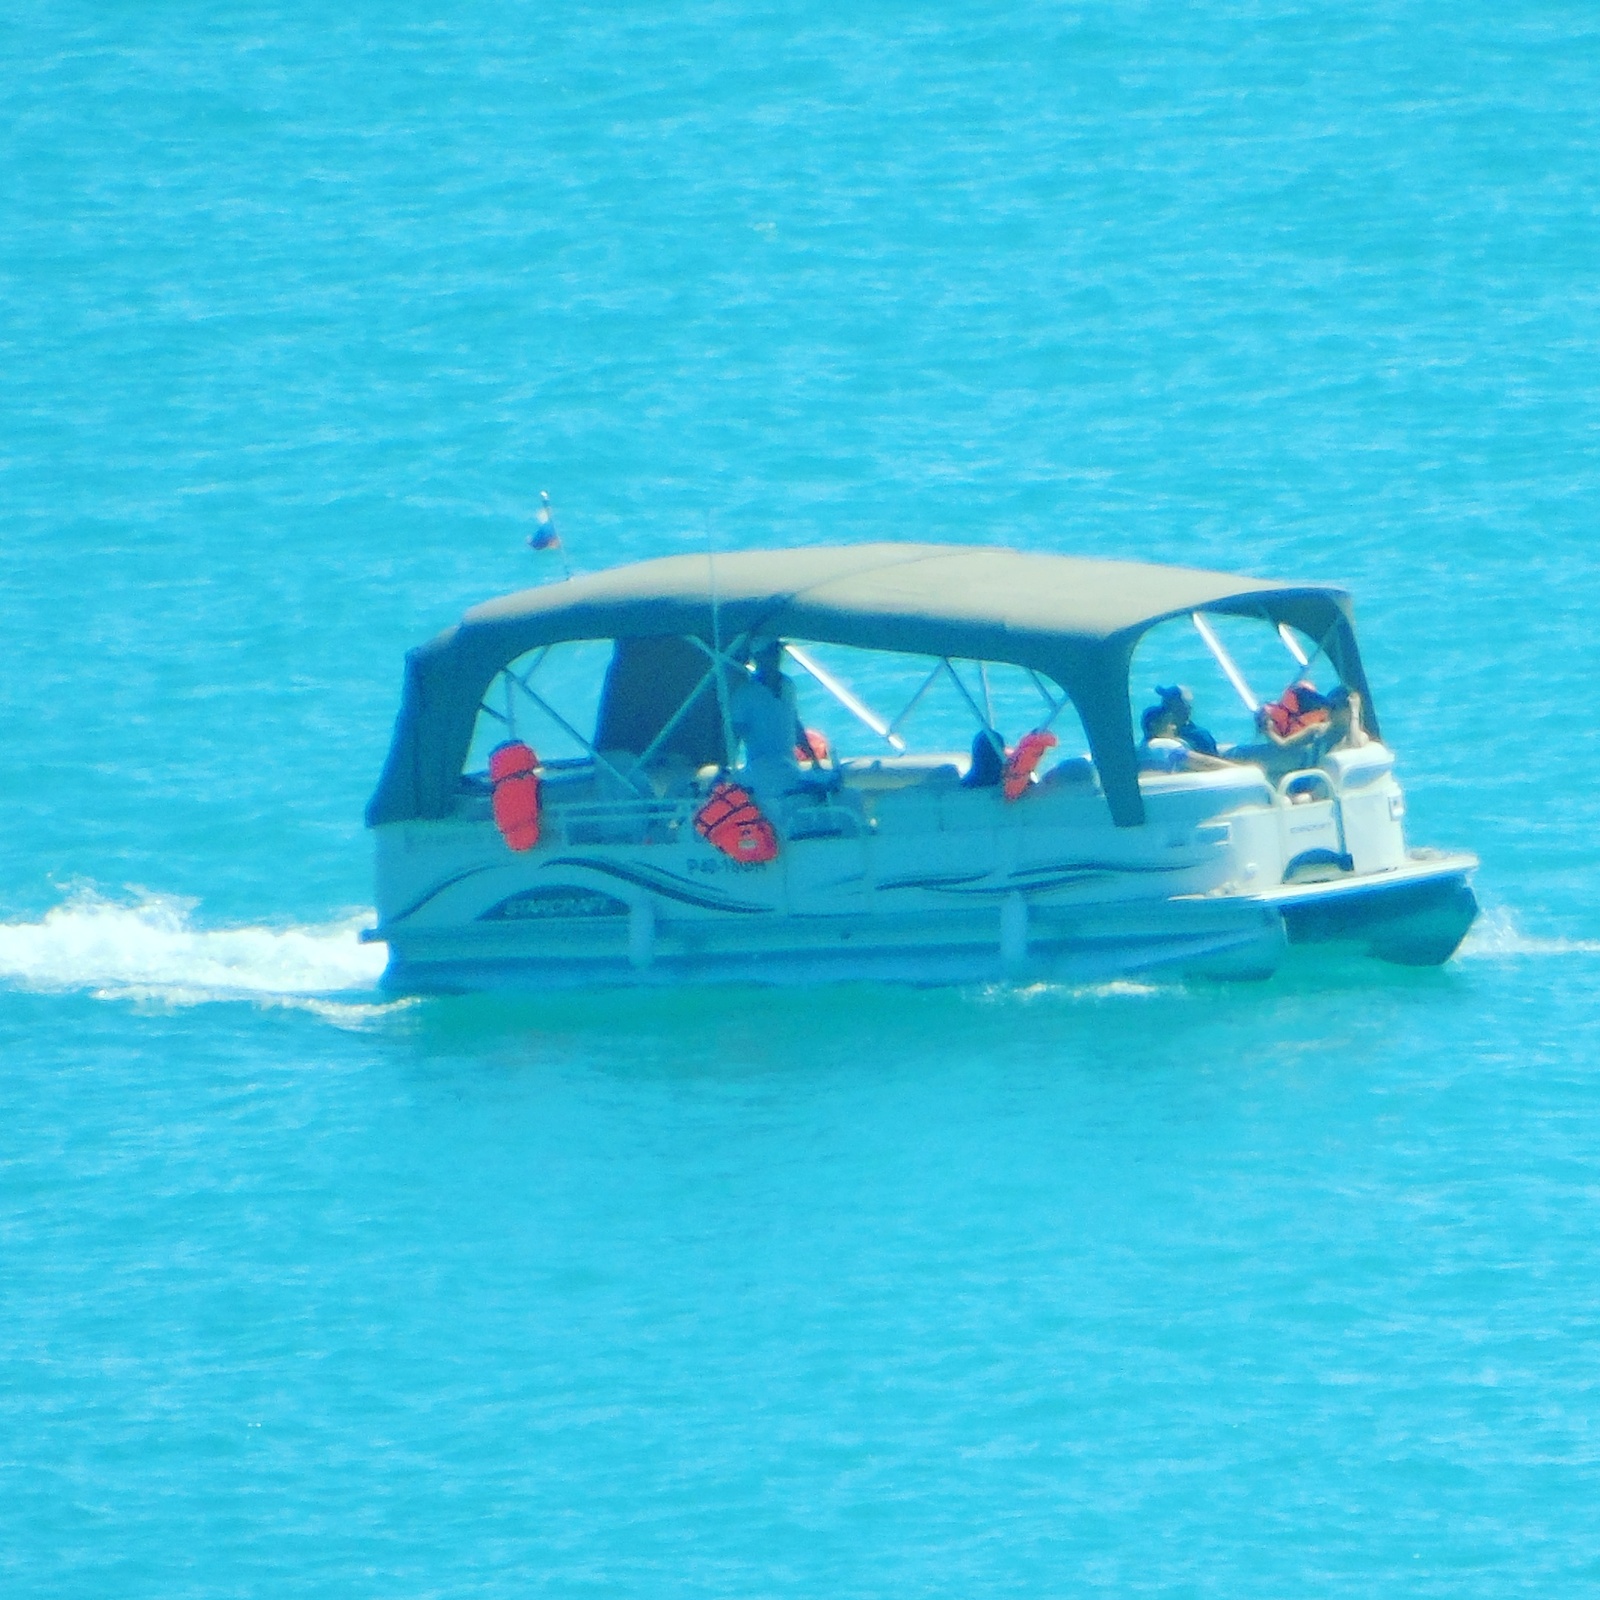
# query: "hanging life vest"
{"points": [[816, 748], [1021, 762], [513, 770], [732, 822], [1300, 706]]}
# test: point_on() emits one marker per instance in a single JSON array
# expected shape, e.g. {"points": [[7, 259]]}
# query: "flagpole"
{"points": [[549, 537]]}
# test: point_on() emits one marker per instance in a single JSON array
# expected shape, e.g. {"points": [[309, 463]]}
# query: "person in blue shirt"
{"points": [[1173, 740], [765, 713], [1174, 714]]}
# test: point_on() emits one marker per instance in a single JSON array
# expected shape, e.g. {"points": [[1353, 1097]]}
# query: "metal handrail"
{"points": [[1306, 772]]}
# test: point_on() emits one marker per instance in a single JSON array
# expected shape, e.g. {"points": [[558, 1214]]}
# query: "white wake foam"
{"points": [[1496, 933], [150, 950], [1109, 989]]}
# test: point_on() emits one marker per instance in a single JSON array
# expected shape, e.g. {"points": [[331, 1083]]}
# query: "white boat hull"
{"points": [[923, 883]]}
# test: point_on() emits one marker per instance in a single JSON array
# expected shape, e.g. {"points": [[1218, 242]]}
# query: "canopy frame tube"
{"points": [[863, 713], [627, 780], [1230, 670]]}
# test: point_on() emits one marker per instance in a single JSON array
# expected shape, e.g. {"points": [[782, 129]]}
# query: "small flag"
{"points": [[546, 538]]}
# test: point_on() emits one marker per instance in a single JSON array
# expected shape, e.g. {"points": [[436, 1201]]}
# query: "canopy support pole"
{"points": [[1045, 695], [628, 781], [719, 661], [533, 666], [723, 709], [972, 705], [1293, 646], [916, 699], [1056, 708], [863, 714], [1225, 661]]}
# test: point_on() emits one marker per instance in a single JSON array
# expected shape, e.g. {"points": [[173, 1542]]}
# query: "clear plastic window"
{"points": [[929, 706], [543, 698], [934, 708]]}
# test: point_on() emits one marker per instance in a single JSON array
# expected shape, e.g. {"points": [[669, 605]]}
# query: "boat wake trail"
{"points": [[150, 950], [1495, 935], [1110, 989]]}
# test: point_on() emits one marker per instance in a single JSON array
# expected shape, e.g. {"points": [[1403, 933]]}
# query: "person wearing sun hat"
{"points": [[1173, 741], [1174, 716]]}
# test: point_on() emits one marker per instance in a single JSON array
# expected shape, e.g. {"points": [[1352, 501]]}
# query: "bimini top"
{"points": [[1074, 621]]}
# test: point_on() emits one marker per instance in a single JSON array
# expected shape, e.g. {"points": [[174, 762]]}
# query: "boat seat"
{"points": [[1355, 768], [1069, 771], [902, 772]]}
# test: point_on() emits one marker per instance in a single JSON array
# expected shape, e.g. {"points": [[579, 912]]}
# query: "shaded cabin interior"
{"points": [[645, 687]]}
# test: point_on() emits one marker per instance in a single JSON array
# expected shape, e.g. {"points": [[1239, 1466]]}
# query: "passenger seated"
{"points": [[1305, 724], [1174, 711], [1172, 740], [1295, 716], [1161, 754], [1343, 730], [988, 761]]}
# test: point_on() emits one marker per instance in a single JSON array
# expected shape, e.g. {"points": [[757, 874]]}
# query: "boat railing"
{"points": [[638, 821], [1296, 788], [827, 821], [645, 821]]}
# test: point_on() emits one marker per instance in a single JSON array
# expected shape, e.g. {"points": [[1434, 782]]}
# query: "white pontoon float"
{"points": [[889, 864]]}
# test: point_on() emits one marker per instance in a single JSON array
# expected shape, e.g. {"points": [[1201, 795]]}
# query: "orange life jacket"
{"points": [[732, 822], [1290, 714], [1021, 762], [513, 772]]}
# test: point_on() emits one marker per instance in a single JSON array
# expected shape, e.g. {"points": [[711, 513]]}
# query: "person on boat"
{"points": [[988, 765], [1307, 725], [1298, 713], [1174, 714], [1297, 723], [1173, 741], [1342, 730], [765, 713], [1344, 718]]}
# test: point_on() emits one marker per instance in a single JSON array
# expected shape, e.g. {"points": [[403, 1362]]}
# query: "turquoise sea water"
{"points": [[1281, 1289]]}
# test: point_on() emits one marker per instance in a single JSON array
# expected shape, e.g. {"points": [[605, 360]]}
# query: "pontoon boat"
{"points": [[567, 799]]}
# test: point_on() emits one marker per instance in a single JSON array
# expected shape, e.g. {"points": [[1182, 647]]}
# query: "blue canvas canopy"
{"points": [[1071, 620]]}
